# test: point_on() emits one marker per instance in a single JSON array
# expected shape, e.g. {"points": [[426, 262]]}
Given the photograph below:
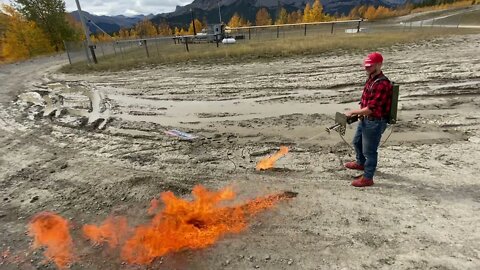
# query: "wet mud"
{"points": [[87, 146]]}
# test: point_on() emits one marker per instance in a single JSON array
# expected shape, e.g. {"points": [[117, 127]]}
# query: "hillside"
{"points": [[208, 10], [110, 24]]}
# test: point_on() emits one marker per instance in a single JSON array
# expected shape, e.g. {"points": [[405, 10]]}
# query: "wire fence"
{"points": [[163, 46]]}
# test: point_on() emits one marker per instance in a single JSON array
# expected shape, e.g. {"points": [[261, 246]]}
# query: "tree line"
{"points": [[30, 28]]}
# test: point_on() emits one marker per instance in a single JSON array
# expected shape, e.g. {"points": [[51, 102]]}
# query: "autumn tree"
{"points": [[263, 17], [245, 22], [198, 27], [234, 21], [23, 39], [361, 10], [282, 17], [164, 29], [316, 13], [145, 28], [132, 33], [370, 13], [382, 12], [354, 13], [295, 17], [3, 22], [79, 34], [124, 33], [307, 13], [3, 27], [180, 32], [49, 15]]}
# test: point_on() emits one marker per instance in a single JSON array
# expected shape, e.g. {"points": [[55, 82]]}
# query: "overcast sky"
{"points": [[123, 7]]}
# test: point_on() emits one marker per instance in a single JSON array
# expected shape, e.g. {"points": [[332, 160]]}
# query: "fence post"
{"points": [[114, 50], [68, 54], [278, 31], [358, 26], [249, 36], [216, 39], [146, 48], [305, 31], [92, 50], [186, 43], [331, 32]]}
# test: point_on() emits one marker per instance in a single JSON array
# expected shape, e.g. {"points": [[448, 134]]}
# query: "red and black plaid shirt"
{"points": [[377, 96]]}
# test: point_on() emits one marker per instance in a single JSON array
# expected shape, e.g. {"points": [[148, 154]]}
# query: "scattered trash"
{"points": [[180, 134]]}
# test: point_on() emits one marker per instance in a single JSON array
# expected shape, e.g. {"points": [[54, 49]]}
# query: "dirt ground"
{"points": [[102, 149]]}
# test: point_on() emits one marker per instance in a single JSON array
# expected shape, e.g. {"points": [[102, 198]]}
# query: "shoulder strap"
{"points": [[381, 78]]}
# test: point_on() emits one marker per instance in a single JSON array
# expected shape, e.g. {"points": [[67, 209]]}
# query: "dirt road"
{"points": [[422, 212]]}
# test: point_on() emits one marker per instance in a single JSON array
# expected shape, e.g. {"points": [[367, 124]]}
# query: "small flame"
{"points": [[153, 207], [183, 224], [51, 231], [113, 231], [269, 162]]}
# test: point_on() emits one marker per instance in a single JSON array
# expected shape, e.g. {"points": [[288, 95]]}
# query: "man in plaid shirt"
{"points": [[373, 115]]}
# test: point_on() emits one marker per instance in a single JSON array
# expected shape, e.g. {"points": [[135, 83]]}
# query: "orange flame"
{"points": [[153, 207], [51, 231], [113, 231], [190, 224], [269, 162]]}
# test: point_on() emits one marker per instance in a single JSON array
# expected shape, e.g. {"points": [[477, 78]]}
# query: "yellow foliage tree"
{"points": [[124, 33], [316, 13], [370, 13], [361, 10], [132, 33], [93, 39], [244, 22], [263, 17], [23, 39], [198, 27], [164, 29], [307, 13], [382, 12], [235, 21], [180, 32], [354, 13], [145, 28], [3, 28], [295, 17], [282, 17]]}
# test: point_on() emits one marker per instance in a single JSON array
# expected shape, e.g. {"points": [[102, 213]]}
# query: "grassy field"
{"points": [[255, 50]]}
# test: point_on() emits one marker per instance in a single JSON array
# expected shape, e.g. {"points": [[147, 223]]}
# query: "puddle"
{"points": [[187, 111]]}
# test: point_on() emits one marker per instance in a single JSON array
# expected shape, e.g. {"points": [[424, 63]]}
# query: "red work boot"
{"points": [[354, 166], [362, 182]]}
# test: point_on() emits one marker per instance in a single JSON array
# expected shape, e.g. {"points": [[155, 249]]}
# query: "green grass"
{"points": [[247, 51]]}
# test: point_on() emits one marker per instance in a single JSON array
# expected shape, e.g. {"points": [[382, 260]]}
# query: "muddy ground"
{"points": [[102, 149]]}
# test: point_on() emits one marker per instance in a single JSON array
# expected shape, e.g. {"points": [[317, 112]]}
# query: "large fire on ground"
{"points": [[269, 162], [178, 225]]}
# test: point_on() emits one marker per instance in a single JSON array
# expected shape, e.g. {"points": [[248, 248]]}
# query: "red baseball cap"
{"points": [[373, 58]]}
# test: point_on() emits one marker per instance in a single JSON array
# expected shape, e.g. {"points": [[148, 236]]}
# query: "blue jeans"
{"points": [[366, 142]]}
